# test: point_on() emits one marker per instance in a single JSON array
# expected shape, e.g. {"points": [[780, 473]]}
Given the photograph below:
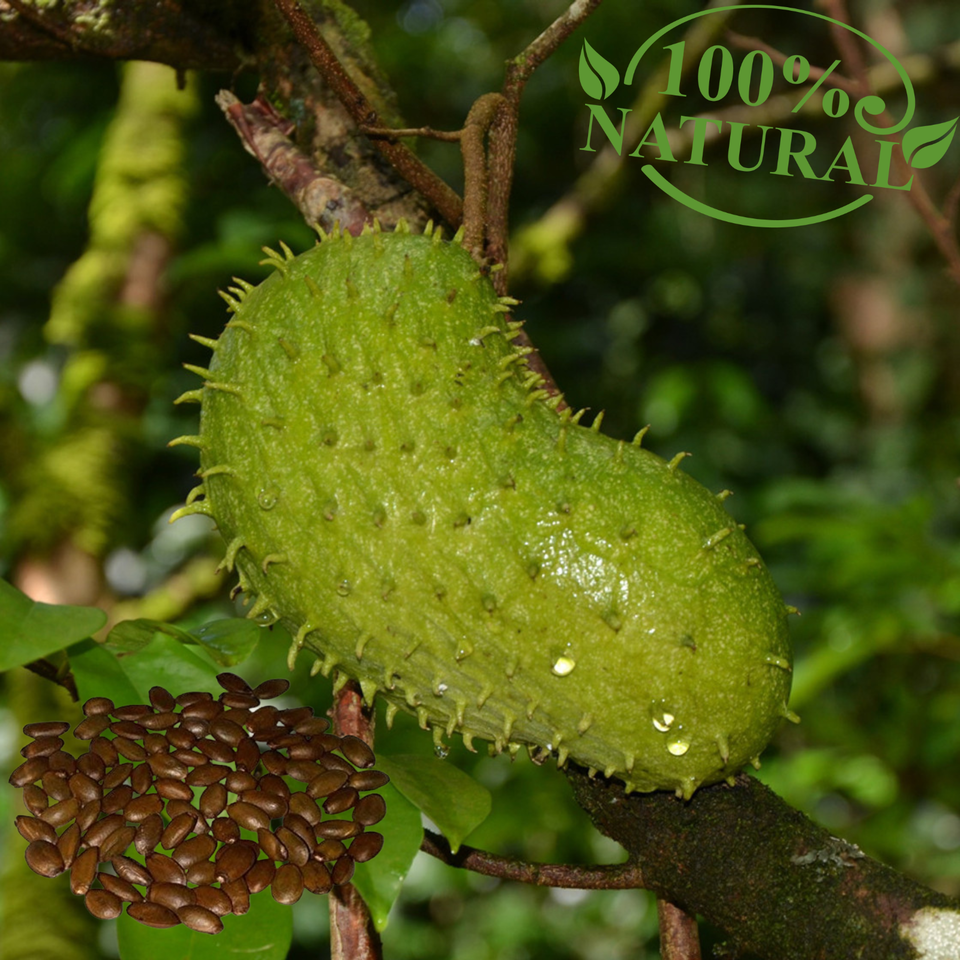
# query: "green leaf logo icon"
{"points": [[598, 77], [925, 146]]}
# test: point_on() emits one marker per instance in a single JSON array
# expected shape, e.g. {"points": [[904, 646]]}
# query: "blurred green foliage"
{"points": [[813, 371]]}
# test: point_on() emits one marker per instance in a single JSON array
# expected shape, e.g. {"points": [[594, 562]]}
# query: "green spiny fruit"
{"points": [[397, 488]]}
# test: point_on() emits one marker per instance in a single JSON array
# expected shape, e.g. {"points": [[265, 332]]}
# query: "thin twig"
{"points": [[392, 133], [404, 161], [626, 876], [475, 173], [679, 937]]}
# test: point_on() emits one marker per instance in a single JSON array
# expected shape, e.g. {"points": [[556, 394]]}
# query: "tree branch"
{"points": [[679, 937]]}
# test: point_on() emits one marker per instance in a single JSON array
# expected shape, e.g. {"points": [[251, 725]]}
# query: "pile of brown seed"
{"points": [[199, 783]]}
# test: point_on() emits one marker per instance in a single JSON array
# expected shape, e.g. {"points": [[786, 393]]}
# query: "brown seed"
{"points": [[270, 783], [364, 780], [162, 699], [213, 898], [339, 829], [274, 762], [282, 740], [271, 846], [207, 774], [34, 799], [194, 696], [247, 815], [105, 750], [236, 860], [303, 770], [227, 731], [316, 877], [366, 847], [238, 782], [342, 800], [117, 799], [154, 743], [312, 726], [130, 750], [96, 706], [290, 718], [117, 775], [343, 871], [131, 871], [306, 807], [216, 750], [180, 737], [330, 761], [91, 765], [176, 807], [117, 842], [63, 762], [191, 758], [69, 843], [173, 789], [239, 896], [88, 814], [329, 849], [165, 765], [300, 827], [213, 800], [132, 711], [91, 727], [83, 871], [298, 850], [165, 869], [356, 751], [287, 886], [328, 782], [159, 721], [195, 726], [50, 728], [42, 747], [370, 810], [30, 828], [148, 834], [269, 803], [194, 850], [271, 688], [197, 918], [153, 915], [171, 895], [309, 750], [205, 710], [101, 830], [238, 715], [247, 754], [29, 772], [263, 721], [143, 807], [120, 888], [103, 904], [176, 831], [239, 701], [85, 788], [61, 812], [233, 684], [260, 875], [44, 858], [128, 730], [54, 786], [141, 779], [203, 872], [225, 830]]}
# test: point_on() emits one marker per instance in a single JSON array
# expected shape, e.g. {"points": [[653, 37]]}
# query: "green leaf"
{"points": [[598, 77], [229, 641], [168, 663], [134, 635], [452, 799], [98, 673], [379, 880], [30, 630], [264, 933], [925, 146]]}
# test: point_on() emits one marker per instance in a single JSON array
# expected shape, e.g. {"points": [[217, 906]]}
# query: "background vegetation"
{"points": [[813, 371]]}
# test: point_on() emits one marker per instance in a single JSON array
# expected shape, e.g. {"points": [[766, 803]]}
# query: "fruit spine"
{"points": [[400, 491]]}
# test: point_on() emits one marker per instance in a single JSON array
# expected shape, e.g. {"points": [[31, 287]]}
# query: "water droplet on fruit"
{"points": [[441, 751], [780, 662], [563, 666], [267, 498], [344, 588], [678, 747]]}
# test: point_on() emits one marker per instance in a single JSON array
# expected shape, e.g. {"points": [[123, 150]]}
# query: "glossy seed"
{"points": [[162, 699], [173, 789], [120, 888], [141, 779], [204, 710], [269, 803], [274, 762], [239, 701], [155, 743], [247, 754], [247, 815], [42, 747], [131, 871], [271, 846], [343, 871], [328, 782], [117, 799], [34, 799], [132, 711], [287, 886], [260, 875], [306, 807], [303, 770], [330, 761], [193, 696], [84, 870], [61, 812], [69, 843], [49, 728], [330, 849], [44, 858], [148, 834], [290, 718], [117, 842], [300, 826], [233, 684], [84, 788], [270, 783], [236, 860], [342, 800], [312, 726], [207, 774], [213, 800], [239, 896], [338, 829], [159, 721], [213, 899], [91, 727], [176, 831], [92, 766], [227, 731], [103, 904], [54, 786], [63, 762], [191, 758], [180, 737], [128, 730], [29, 772], [167, 766], [198, 918], [194, 850], [130, 750], [203, 872], [105, 750], [368, 780], [366, 847], [264, 721], [31, 828], [316, 877], [141, 808], [171, 895], [117, 776], [370, 810], [152, 915], [89, 812], [225, 830], [298, 849], [98, 833], [271, 688], [165, 869], [96, 706], [216, 750], [238, 781], [356, 751]]}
